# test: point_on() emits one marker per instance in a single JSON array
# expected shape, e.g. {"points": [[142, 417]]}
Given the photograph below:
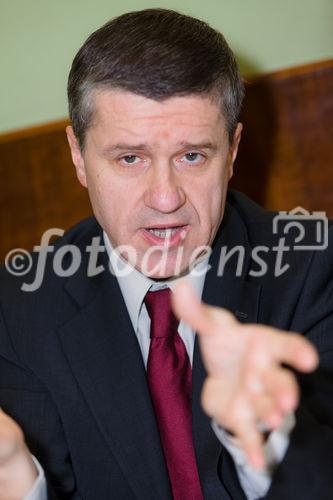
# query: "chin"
{"points": [[162, 270]]}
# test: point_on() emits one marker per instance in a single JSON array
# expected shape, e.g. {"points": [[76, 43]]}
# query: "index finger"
{"points": [[201, 317]]}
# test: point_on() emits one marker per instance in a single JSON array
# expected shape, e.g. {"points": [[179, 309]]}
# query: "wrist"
{"points": [[17, 475]]}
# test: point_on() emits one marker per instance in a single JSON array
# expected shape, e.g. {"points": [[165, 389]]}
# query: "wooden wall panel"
{"points": [[286, 154], [285, 158], [38, 189]]}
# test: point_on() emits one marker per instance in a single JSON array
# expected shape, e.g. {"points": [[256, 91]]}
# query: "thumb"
{"points": [[206, 320]]}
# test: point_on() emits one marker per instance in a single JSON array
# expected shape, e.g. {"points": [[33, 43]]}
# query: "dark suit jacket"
{"points": [[72, 375]]}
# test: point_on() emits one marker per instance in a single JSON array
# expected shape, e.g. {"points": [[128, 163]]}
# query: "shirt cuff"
{"points": [[39, 490], [256, 483]]}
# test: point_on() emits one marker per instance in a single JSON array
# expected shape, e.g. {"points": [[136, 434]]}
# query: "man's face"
{"points": [[157, 175]]}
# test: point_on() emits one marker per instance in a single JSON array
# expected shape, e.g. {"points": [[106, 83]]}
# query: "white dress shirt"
{"points": [[134, 286], [38, 491]]}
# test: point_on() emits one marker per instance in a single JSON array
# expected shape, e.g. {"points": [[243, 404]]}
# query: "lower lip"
{"points": [[174, 240]]}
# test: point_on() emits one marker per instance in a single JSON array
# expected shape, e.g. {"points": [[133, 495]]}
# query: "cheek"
{"points": [[216, 208], [214, 201], [115, 206], [105, 198], [213, 211], [219, 192]]}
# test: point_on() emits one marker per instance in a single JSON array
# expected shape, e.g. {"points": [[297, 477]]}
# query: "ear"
{"points": [[76, 156], [234, 148]]}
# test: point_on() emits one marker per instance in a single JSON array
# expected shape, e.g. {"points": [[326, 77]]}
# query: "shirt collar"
{"points": [[134, 285]]}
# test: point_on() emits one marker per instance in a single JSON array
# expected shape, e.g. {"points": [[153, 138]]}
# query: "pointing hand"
{"points": [[246, 382]]}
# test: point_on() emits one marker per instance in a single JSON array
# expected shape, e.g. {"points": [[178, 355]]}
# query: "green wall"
{"points": [[38, 39]]}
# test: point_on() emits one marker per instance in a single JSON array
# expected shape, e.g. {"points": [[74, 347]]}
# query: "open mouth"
{"points": [[169, 235], [165, 233]]}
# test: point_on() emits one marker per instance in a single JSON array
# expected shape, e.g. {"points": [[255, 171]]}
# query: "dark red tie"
{"points": [[170, 381]]}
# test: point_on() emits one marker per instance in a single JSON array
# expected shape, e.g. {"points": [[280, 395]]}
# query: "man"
{"points": [[101, 387]]}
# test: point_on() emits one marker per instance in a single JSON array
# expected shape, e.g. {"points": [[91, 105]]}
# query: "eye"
{"points": [[192, 158], [130, 159]]}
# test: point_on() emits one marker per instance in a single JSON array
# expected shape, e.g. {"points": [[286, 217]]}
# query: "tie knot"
{"points": [[163, 321]]}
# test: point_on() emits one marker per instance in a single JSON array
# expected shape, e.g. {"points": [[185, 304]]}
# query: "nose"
{"points": [[164, 191]]}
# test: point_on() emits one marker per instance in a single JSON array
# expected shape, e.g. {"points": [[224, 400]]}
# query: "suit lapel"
{"points": [[105, 357], [241, 297]]}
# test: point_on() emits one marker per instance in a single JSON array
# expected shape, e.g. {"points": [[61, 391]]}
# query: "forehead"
{"points": [[128, 114]]}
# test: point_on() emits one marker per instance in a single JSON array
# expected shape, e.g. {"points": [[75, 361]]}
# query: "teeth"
{"points": [[163, 233]]}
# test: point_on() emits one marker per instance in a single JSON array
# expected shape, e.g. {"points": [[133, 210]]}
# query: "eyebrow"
{"points": [[144, 147], [124, 147], [200, 145]]}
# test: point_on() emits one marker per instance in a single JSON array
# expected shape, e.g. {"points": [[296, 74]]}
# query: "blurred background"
{"points": [[285, 52]]}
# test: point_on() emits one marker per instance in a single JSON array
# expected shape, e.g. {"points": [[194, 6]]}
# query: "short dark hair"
{"points": [[156, 53]]}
